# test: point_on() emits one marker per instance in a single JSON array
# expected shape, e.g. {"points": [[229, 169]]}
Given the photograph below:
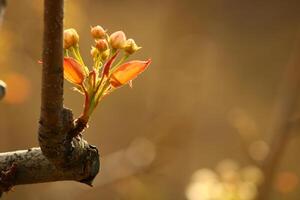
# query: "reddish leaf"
{"points": [[127, 72], [108, 64], [73, 71]]}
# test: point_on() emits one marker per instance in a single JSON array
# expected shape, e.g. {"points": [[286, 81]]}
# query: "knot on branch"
{"points": [[92, 165], [79, 126], [67, 151], [68, 120], [52, 139], [83, 160]]}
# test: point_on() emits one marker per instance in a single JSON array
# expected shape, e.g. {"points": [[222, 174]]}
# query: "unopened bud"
{"points": [[118, 40], [98, 32], [71, 38], [131, 46], [101, 45], [94, 52], [105, 54]]}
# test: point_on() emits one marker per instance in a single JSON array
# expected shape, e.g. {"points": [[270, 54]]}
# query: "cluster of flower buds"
{"points": [[108, 72]]}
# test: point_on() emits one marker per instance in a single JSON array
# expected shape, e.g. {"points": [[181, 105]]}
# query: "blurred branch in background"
{"points": [[280, 126], [2, 10], [126, 162], [256, 180], [2, 84]]}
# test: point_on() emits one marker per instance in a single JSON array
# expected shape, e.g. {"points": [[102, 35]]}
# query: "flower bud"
{"points": [[94, 52], [118, 40], [98, 32], [131, 46], [105, 54], [101, 45], [71, 38]]}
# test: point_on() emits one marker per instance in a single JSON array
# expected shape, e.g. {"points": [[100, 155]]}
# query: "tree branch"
{"points": [[52, 76], [61, 157], [51, 123], [2, 11], [56, 122], [280, 126], [33, 167]]}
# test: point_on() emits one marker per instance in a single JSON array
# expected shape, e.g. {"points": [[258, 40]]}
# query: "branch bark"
{"points": [[33, 167], [61, 156], [51, 131], [280, 126], [56, 122]]}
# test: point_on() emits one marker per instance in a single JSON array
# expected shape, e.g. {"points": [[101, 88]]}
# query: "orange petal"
{"points": [[73, 71], [127, 72]]}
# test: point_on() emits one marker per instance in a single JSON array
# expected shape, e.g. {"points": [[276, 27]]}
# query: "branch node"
{"points": [[92, 165], [79, 127]]}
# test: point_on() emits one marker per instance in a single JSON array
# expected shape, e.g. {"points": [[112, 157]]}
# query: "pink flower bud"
{"points": [[101, 45], [71, 38], [98, 32], [118, 40]]}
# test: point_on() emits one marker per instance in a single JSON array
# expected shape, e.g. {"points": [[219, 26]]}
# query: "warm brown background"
{"points": [[217, 65]]}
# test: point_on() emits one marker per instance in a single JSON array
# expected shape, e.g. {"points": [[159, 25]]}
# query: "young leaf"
{"points": [[73, 71], [108, 64], [127, 72]]}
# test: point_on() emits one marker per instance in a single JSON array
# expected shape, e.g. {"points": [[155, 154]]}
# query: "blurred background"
{"points": [[195, 124]]}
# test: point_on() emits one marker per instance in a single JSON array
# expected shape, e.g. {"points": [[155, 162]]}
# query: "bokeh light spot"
{"points": [[286, 182], [258, 150], [141, 152], [243, 123]]}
